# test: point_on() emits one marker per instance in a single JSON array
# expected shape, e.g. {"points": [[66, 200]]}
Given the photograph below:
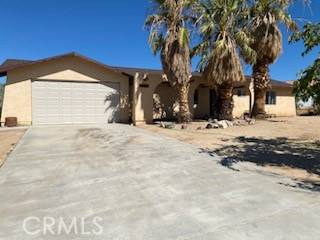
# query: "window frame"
{"points": [[242, 91], [271, 97]]}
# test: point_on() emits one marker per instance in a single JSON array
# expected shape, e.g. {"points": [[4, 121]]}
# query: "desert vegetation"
{"points": [[226, 34], [308, 85]]}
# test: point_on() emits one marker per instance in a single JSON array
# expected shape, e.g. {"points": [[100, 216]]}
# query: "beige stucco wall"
{"points": [[18, 91], [166, 96], [17, 102], [144, 88], [143, 97], [241, 105], [143, 106], [285, 103], [18, 96], [165, 102]]}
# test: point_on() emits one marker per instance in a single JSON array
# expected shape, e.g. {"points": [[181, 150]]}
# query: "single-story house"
{"points": [[72, 88]]}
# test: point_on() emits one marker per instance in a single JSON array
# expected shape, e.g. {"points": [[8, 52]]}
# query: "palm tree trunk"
{"points": [[225, 102], [261, 83], [184, 115]]}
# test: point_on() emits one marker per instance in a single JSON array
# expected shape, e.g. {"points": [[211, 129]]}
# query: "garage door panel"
{"points": [[65, 94], [56, 102]]}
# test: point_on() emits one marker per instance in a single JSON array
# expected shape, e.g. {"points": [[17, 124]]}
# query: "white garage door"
{"points": [[56, 102]]}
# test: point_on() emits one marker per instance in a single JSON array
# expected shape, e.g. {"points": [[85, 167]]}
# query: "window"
{"points": [[241, 92], [196, 97], [271, 98]]}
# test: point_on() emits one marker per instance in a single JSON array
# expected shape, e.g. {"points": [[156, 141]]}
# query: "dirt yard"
{"points": [[285, 146], [8, 139]]}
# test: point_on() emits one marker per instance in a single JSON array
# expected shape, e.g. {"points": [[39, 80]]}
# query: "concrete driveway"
{"points": [[120, 182]]}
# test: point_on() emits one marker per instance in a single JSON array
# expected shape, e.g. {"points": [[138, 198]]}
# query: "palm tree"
{"points": [[221, 24], [170, 36], [265, 18]]}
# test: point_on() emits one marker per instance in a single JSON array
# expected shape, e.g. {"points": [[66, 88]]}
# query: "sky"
{"points": [[112, 32]]}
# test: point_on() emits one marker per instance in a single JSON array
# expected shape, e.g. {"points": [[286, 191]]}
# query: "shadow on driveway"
{"points": [[282, 152]]}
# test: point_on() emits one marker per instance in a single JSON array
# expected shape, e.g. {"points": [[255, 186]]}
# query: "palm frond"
{"points": [[222, 38], [183, 37]]}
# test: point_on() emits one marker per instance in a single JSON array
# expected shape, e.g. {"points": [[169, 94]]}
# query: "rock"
{"points": [[236, 123], [229, 123], [243, 123], [252, 122], [170, 125], [246, 116], [210, 120], [199, 128], [184, 126], [212, 125], [222, 124]]}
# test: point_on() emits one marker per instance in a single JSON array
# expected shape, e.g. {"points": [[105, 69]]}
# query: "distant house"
{"points": [[72, 88]]}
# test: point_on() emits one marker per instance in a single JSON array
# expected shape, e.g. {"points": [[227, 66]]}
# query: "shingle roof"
{"points": [[133, 71], [11, 64]]}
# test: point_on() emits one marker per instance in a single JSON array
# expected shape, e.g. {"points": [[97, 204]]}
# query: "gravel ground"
{"points": [[8, 139], [286, 146]]}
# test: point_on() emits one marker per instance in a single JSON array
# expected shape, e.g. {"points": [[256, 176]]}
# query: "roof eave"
{"points": [[2, 74], [71, 54]]}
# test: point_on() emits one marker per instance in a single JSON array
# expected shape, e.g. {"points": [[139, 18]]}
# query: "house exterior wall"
{"points": [[241, 105], [166, 97], [143, 97], [17, 101], [144, 88], [18, 92], [143, 106], [285, 103], [165, 102]]}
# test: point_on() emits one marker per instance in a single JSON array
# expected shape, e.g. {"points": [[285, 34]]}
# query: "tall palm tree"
{"points": [[221, 24], [266, 15], [170, 36]]}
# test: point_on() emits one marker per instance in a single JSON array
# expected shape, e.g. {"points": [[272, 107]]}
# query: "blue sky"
{"points": [[109, 31]]}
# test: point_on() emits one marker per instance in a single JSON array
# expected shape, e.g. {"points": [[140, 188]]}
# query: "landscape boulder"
{"points": [[229, 123], [222, 124], [252, 122], [170, 125], [236, 122], [239, 122], [212, 125], [210, 120]]}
